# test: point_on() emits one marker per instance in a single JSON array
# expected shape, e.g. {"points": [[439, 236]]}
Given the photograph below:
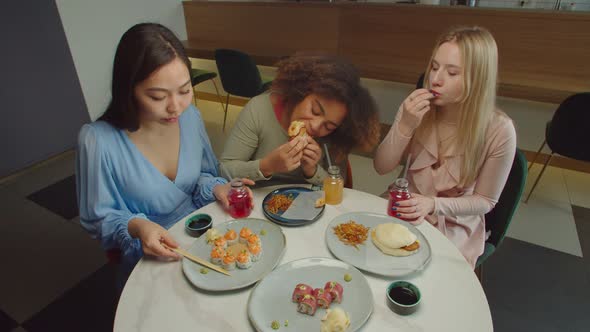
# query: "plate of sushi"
{"points": [[293, 206], [247, 248], [311, 294], [378, 243]]}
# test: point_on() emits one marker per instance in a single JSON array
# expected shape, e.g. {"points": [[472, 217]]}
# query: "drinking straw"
{"points": [[327, 155]]}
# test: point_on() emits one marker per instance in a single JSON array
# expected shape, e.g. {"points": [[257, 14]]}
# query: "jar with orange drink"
{"points": [[333, 186]]}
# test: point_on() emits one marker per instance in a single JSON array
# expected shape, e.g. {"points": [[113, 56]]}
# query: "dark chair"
{"points": [[498, 220], [239, 75], [568, 132], [199, 76]]}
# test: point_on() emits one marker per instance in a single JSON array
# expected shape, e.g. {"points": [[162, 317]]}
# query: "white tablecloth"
{"points": [[157, 296]]}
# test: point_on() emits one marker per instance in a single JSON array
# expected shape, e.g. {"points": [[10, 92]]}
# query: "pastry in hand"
{"points": [[297, 128]]}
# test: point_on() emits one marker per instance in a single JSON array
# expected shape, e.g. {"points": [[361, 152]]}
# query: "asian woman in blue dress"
{"points": [[147, 162]]}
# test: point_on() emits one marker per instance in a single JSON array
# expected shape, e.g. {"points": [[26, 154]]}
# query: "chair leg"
{"points": [[225, 111], [539, 177], [537, 155], [218, 95]]}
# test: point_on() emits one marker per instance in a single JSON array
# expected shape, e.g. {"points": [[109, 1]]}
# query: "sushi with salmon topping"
{"points": [[220, 242], [253, 239], [245, 234], [217, 254], [243, 261], [231, 237], [229, 262], [255, 252]]}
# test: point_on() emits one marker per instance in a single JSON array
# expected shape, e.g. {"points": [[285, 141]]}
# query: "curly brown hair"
{"points": [[333, 78]]}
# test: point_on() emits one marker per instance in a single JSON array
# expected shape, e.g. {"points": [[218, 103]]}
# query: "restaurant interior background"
{"points": [[55, 278]]}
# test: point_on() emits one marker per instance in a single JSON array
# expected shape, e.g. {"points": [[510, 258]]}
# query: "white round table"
{"points": [[158, 297]]}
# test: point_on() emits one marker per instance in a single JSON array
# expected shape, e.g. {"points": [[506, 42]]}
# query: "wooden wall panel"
{"points": [[543, 54], [262, 28]]}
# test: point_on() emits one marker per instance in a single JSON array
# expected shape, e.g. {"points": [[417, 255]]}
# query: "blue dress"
{"points": [[116, 183]]}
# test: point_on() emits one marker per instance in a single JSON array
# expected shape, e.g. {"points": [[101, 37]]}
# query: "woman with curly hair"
{"points": [[323, 92]]}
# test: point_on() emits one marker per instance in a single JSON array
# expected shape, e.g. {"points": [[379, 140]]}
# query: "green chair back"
{"points": [[498, 220]]}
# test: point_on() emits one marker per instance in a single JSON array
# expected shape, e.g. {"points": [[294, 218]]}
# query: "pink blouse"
{"points": [[459, 212]]}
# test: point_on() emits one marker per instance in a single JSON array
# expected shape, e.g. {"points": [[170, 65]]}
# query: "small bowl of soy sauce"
{"points": [[198, 224], [403, 297]]}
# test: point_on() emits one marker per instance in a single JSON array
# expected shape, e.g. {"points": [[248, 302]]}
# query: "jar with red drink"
{"points": [[240, 202], [399, 192]]}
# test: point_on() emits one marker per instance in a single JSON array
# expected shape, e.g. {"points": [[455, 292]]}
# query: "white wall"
{"points": [[93, 29]]}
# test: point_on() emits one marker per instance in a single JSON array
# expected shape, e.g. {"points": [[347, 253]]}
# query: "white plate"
{"points": [[273, 247], [368, 257], [271, 298]]}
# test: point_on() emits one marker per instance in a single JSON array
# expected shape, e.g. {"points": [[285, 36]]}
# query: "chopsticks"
{"points": [[196, 259]]}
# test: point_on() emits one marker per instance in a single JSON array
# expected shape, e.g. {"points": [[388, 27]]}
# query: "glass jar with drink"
{"points": [[240, 202], [333, 186], [398, 192]]}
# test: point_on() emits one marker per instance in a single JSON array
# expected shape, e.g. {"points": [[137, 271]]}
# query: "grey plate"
{"points": [[273, 247], [308, 207], [271, 298], [368, 257]]}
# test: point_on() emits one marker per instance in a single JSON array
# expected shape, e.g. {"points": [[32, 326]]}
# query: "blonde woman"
{"points": [[460, 145]]}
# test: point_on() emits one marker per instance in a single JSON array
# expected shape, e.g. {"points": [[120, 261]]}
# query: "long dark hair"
{"points": [[334, 78], [142, 49]]}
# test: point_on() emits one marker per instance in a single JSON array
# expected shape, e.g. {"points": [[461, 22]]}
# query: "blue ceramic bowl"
{"points": [[198, 224]]}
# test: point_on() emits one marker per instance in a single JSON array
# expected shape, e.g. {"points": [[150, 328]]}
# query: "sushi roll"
{"points": [[229, 262], [307, 305], [220, 242], [336, 290], [217, 254], [300, 291], [244, 235], [231, 237], [255, 252], [323, 298], [243, 261], [253, 239]]}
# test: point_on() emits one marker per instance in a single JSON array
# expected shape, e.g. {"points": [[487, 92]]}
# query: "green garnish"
{"points": [[286, 322], [204, 270], [263, 232], [347, 277], [275, 325]]}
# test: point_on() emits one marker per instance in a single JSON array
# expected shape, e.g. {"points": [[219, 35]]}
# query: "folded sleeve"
{"points": [[209, 177], [391, 150], [240, 147], [490, 181], [103, 212]]}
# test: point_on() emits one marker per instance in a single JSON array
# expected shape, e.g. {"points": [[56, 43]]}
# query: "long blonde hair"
{"points": [[478, 100]]}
